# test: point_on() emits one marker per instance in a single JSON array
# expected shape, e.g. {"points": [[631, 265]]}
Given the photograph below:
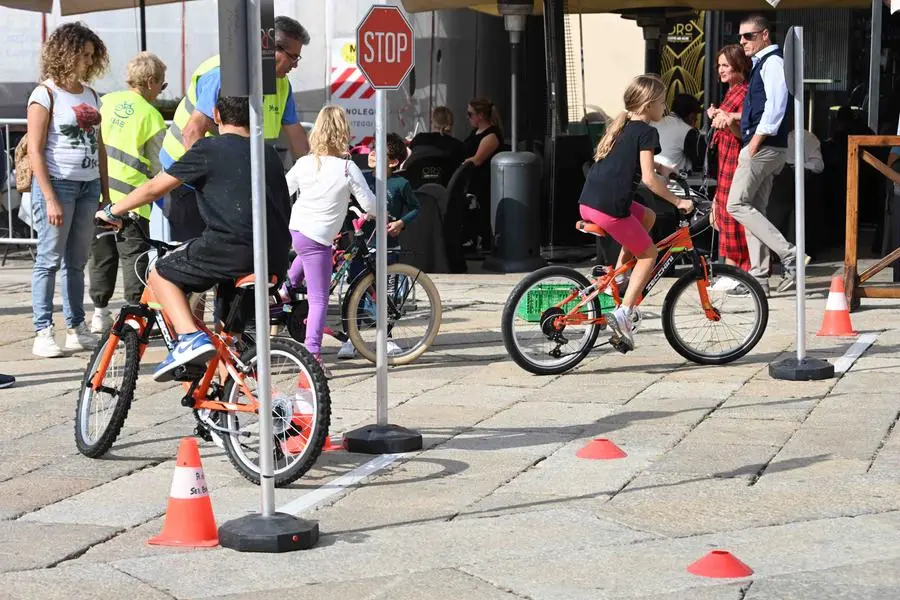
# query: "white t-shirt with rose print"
{"points": [[72, 138]]}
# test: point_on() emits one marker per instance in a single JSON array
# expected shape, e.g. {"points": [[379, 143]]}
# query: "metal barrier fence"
{"points": [[13, 231]]}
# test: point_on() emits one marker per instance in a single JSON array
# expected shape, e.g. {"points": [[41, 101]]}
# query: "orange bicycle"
{"points": [[553, 317], [226, 411]]}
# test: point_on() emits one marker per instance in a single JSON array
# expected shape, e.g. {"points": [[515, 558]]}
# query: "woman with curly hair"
{"points": [[69, 165]]}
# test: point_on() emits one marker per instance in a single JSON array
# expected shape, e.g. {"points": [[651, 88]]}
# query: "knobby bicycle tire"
{"points": [[509, 313], [688, 279], [123, 398], [354, 297], [322, 416]]}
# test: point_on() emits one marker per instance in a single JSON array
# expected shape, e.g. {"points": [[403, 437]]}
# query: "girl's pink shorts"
{"points": [[628, 231]]}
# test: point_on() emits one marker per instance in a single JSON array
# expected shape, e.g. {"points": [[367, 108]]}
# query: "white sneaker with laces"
{"points": [[44, 344], [80, 338], [620, 323], [101, 321], [393, 349], [347, 350], [724, 284]]}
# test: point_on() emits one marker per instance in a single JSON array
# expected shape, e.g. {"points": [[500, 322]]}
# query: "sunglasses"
{"points": [[295, 58], [750, 35]]}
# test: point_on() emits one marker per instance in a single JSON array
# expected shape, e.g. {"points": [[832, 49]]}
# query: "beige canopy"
{"points": [[77, 7], [603, 6]]}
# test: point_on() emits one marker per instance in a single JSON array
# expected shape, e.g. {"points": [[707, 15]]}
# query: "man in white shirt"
{"points": [[764, 130], [682, 146]]}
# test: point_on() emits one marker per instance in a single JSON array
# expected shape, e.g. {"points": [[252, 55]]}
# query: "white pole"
{"points": [[381, 256], [799, 192], [260, 260]]}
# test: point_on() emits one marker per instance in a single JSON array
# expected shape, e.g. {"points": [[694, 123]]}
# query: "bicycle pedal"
{"points": [[189, 372], [599, 270], [203, 433]]}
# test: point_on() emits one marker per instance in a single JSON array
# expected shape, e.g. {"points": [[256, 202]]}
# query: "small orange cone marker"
{"points": [[601, 448], [189, 516], [837, 316], [720, 563]]}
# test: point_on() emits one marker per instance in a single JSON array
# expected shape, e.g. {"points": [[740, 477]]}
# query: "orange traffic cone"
{"points": [[189, 516], [837, 315]]}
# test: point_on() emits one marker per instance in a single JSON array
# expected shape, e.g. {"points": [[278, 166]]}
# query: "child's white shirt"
{"points": [[323, 185]]}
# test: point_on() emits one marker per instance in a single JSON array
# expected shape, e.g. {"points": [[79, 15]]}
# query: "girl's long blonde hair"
{"points": [[331, 133], [640, 93]]}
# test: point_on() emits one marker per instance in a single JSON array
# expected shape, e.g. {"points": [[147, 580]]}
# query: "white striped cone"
{"points": [[836, 321]]}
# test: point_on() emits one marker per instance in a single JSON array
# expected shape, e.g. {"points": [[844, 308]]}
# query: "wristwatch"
{"points": [[108, 212]]}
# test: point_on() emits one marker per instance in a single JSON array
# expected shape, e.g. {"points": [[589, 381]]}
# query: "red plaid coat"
{"points": [[732, 241]]}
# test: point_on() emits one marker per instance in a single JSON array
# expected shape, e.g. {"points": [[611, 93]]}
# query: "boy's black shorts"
{"points": [[186, 268]]}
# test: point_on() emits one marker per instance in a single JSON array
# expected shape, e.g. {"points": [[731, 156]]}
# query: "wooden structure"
{"points": [[853, 280]]}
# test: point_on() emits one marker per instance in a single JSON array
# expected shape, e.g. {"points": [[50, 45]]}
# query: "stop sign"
{"points": [[384, 47]]}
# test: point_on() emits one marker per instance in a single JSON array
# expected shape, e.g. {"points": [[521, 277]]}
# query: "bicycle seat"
{"points": [[249, 280], [591, 228]]}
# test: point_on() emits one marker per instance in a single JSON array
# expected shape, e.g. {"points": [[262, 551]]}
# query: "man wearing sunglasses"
{"points": [[194, 119], [764, 129]]}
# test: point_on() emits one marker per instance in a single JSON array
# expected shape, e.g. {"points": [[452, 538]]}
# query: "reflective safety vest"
{"points": [[128, 124], [273, 110]]}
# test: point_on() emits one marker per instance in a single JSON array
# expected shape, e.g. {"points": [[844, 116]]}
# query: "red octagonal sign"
{"points": [[384, 47]]}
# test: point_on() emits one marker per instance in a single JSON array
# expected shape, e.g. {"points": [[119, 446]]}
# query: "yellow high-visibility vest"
{"points": [[273, 110], [129, 123]]}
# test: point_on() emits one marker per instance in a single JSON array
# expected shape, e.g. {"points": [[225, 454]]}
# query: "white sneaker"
{"points": [[620, 323], [347, 350], [80, 338], [101, 321], [724, 284], [393, 349], [44, 344]]}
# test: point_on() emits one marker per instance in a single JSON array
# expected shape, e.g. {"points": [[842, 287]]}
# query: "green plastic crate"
{"points": [[544, 295]]}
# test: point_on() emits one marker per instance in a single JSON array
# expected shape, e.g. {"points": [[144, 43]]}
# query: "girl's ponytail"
{"points": [[613, 130]]}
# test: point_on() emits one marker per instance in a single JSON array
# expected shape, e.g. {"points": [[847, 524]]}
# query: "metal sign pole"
{"points": [[800, 192], [385, 51], [381, 160], [800, 367], [268, 531]]}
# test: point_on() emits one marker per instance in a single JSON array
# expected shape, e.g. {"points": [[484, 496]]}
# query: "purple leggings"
{"points": [[314, 261]]}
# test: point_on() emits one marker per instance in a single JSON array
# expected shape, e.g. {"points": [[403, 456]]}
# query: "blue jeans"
{"points": [[67, 247]]}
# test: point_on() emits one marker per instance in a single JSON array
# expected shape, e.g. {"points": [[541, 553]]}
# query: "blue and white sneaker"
{"points": [[191, 348]]}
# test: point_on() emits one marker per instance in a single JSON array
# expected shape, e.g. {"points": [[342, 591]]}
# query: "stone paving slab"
{"points": [[26, 545], [498, 504], [97, 582]]}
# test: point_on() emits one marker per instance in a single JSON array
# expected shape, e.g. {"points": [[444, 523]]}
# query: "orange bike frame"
{"points": [[222, 342], [677, 243]]}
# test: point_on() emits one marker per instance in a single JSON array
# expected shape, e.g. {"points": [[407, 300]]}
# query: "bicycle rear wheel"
{"points": [[413, 309], [531, 333], [739, 323], [301, 414], [100, 414]]}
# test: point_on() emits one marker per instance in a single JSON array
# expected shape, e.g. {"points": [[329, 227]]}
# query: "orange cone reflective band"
{"points": [[837, 315], [189, 516], [721, 564]]}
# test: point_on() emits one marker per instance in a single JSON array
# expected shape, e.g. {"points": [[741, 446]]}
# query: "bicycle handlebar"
{"points": [[130, 221]]}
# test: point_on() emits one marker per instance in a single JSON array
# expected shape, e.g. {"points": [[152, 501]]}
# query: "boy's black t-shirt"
{"points": [[612, 182], [219, 168]]}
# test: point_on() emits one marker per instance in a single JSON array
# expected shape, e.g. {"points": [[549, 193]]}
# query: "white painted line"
{"points": [[316, 497], [843, 364]]}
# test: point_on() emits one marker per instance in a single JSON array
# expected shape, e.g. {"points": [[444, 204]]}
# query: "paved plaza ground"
{"points": [[801, 481]]}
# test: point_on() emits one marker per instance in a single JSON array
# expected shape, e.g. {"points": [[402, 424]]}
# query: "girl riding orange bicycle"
{"points": [[624, 158]]}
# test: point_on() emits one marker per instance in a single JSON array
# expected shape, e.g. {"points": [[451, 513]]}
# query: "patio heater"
{"points": [[515, 176]]}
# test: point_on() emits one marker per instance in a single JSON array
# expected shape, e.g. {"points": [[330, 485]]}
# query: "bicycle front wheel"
{"points": [[101, 412], [413, 310], [536, 332], [729, 329], [301, 414]]}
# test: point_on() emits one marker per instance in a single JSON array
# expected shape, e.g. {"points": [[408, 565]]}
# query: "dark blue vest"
{"points": [[755, 103]]}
